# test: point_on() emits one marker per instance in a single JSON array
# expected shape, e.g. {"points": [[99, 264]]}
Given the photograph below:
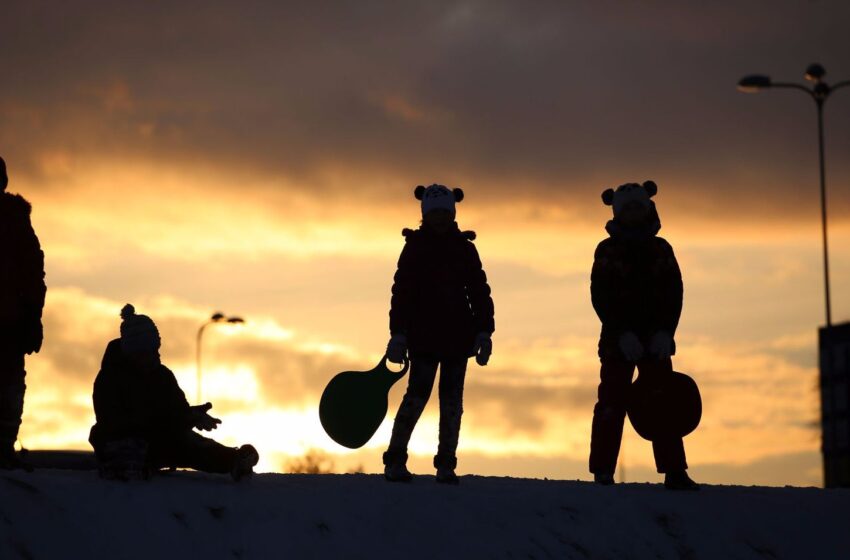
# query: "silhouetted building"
{"points": [[835, 403]]}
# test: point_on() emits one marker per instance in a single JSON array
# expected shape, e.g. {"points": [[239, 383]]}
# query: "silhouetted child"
{"points": [[22, 292], [143, 420], [442, 314], [636, 288]]}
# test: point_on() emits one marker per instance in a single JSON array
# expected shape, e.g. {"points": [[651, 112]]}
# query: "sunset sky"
{"points": [[259, 158]]}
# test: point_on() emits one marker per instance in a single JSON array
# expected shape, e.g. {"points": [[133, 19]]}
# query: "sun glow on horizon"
{"points": [[313, 284]]}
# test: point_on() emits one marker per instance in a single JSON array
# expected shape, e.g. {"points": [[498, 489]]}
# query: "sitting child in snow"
{"points": [[636, 288], [442, 313], [144, 422]]}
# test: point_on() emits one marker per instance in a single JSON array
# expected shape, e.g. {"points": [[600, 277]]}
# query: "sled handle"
{"points": [[397, 374]]}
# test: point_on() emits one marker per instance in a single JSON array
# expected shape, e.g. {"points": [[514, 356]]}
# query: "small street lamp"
{"points": [[216, 318]]}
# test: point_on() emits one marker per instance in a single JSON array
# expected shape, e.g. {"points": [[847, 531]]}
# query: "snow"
{"points": [[65, 514]]}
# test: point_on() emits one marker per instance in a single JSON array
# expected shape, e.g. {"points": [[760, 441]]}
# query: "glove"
{"points": [[397, 349], [483, 348], [661, 345], [630, 346], [201, 420], [31, 335]]}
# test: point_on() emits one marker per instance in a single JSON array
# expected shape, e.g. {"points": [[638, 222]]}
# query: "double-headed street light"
{"points": [[819, 92], [833, 342], [216, 318]]}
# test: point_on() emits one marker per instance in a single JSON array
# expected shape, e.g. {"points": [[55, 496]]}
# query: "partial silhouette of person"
{"points": [[144, 422], [636, 289], [441, 315], [22, 291]]}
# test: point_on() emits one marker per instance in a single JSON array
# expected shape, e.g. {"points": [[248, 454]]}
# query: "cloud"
{"points": [[265, 381], [552, 101], [261, 158]]}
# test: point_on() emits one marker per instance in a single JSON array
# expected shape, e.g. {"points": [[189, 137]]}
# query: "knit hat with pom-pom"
{"points": [[138, 332], [630, 192], [437, 197]]}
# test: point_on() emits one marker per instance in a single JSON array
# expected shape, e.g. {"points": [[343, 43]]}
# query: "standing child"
{"points": [[22, 292], [636, 289], [442, 314]]}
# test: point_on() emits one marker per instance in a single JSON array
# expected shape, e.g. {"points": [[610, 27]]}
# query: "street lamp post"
{"points": [[215, 318], [819, 92], [833, 341]]}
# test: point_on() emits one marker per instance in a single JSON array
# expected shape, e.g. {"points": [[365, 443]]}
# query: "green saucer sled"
{"points": [[355, 403]]}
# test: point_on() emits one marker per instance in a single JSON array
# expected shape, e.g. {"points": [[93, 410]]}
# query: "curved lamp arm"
{"points": [[788, 85], [839, 85]]}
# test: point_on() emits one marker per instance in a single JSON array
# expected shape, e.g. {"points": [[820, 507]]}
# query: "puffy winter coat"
{"points": [[636, 285], [132, 403], [22, 287], [440, 295]]}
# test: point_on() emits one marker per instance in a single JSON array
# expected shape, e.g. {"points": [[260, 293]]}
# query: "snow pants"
{"points": [[186, 449], [609, 415], [423, 373], [191, 450], [12, 389]]}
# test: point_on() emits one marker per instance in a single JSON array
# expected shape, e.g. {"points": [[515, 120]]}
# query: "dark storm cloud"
{"points": [[495, 94]]}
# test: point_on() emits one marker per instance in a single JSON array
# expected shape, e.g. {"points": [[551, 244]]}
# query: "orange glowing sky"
{"points": [[261, 160]]}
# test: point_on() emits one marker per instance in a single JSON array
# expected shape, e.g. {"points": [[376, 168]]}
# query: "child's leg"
{"points": [[452, 374], [669, 453], [12, 389], [419, 385], [609, 414], [191, 450]]}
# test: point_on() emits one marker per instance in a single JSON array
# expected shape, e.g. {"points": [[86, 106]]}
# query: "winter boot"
{"points": [[10, 461], [446, 475], [679, 480], [243, 464], [446, 469], [604, 479], [395, 466]]}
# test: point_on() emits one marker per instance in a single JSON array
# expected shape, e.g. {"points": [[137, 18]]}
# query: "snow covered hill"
{"points": [[74, 515]]}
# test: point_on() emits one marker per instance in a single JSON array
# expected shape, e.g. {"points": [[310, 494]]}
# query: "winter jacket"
{"points": [[132, 403], [22, 287], [440, 295], [635, 285]]}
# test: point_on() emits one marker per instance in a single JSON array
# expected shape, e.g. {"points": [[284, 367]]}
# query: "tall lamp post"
{"points": [[819, 92], [833, 341], [216, 318]]}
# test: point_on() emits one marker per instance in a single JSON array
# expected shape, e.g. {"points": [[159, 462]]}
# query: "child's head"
{"points": [[140, 339], [439, 220], [631, 202], [438, 205]]}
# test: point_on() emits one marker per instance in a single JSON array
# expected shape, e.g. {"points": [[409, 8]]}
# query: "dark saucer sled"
{"points": [[354, 403], [668, 409]]}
